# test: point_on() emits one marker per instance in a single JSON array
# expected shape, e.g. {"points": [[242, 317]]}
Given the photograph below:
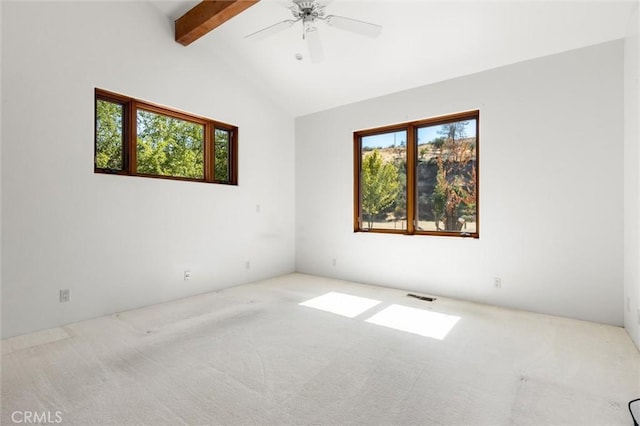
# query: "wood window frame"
{"points": [[411, 158], [129, 135]]}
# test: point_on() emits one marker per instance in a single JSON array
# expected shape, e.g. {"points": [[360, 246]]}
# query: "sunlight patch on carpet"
{"points": [[341, 304], [416, 321]]}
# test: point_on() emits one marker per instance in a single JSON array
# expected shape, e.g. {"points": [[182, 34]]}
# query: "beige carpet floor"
{"points": [[300, 349]]}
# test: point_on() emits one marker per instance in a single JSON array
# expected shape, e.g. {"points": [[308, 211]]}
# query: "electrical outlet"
{"points": [[497, 282], [638, 315], [628, 304], [187, 275], [64, 295], [247, 265], [333, 262]]}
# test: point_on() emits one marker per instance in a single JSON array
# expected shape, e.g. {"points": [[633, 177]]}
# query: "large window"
{"points": [[134, 137], [419, 177]]}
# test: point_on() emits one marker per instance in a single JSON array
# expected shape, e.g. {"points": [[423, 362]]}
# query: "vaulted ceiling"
{"points": [[422, 42]]}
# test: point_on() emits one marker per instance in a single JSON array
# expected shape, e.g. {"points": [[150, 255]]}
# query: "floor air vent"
{"points": [[426, 298]]}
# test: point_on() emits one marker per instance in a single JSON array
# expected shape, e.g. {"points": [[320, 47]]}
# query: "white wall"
{"points": [[551, 196], [122, 242], [1, 97], [632, 180]]}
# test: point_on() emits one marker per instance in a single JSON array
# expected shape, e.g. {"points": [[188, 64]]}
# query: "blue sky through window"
{"points": [[399, 138]]}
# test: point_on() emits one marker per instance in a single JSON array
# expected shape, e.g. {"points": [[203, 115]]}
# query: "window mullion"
{"points": [[209, 152], [411, 179], [132, 138]]}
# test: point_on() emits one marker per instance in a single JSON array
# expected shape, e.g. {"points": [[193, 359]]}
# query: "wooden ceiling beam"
{"points": [[206, 16]]}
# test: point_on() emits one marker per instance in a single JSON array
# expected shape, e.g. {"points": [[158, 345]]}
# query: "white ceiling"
{"points": [[422, 42]]}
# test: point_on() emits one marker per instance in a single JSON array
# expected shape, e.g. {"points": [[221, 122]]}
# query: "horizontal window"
{"points": [[137, 138], [419, 177]]}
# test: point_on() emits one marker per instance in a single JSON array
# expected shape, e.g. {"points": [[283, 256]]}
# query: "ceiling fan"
{"points": [[310, 12]]}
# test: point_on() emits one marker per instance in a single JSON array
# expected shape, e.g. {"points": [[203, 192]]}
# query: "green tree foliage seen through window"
{"points": [[109, 135], [168, 146], [380, 186], [221, 145]]}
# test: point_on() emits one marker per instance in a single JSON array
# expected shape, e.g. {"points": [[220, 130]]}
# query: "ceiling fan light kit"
{"points": [[310, 12]]}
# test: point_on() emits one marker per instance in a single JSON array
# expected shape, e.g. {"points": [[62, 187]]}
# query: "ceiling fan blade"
{"points": [[316, 53], [366, 29], [272, 29]]}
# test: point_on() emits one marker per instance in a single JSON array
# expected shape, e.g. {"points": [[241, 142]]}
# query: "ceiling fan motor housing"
{"points": [[308, 11]]}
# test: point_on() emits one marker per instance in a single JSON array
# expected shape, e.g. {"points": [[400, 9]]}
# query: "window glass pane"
{"points": [[169, 146], [109, 135], [221, 150], [446, 177], [383, 181]]}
